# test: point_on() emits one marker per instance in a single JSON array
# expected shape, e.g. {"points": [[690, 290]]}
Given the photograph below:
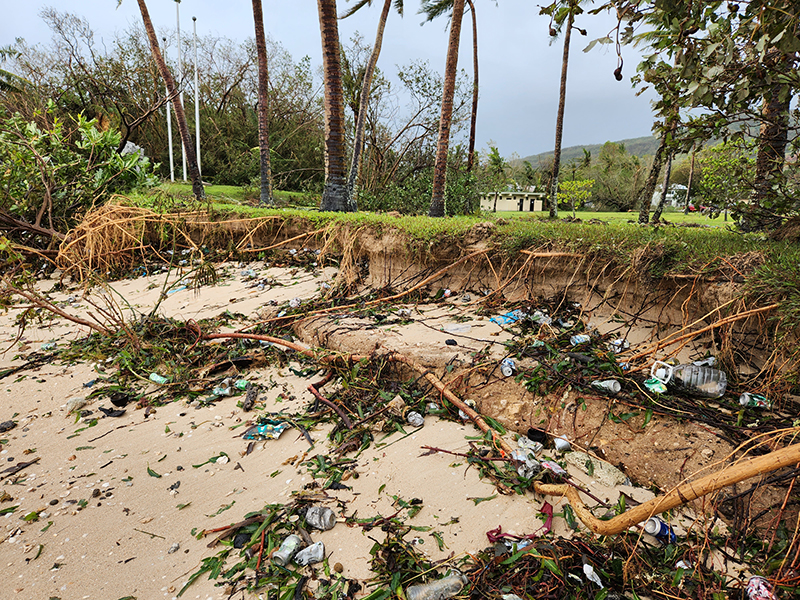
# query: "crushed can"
{"points": [[660, 530], [287, 550], [579, 339], [754, 400], [311, 554], [508, 367], [759, 588]]}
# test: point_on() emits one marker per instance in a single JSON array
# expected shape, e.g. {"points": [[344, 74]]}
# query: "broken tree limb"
{"points": [[686, 492]]}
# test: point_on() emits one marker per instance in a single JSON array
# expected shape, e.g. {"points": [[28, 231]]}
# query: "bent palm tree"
{"points": [[263, 105], [366, 87], [334, 194], [180, 115], [446, 117]]}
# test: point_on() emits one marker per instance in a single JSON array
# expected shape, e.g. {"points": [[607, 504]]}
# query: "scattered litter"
{"points": [[618, 345], [159, 379], [528, 466], [578, 339], [709, 361], [174, 548], [7, 426], [267, 428], [320, 517], [451, 342], [759, 588], [47, 346], [288, 549], [508, 367], [588, 570], [415, 419], [654, 385], [660, 530], [441, 589], [295, 303], [457, 328], [611, 386], [310, 555], [562, 444], [700, 381], [755, 401], [509, 317]]}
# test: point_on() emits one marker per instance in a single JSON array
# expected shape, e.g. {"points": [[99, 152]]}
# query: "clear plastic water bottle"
{"points": [[441, 589], [694, 379]]}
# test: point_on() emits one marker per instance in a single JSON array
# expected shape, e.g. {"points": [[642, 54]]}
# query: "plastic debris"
{"points": [[268, 428], [528, 466], [310, 555], [562, 444], [759, 588], [700, 381], [295, 303], [159, 379], [509, 317], [618, 345], [612, 386], [174, 548], [441, 589], [554, 467], [654, 385], [588, 570]]}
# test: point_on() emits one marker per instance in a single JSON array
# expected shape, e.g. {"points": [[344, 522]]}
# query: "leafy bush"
{"points": [[52, 176]]}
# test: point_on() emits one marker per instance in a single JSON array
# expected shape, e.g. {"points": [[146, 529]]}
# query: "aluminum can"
{"points": [[508, 367], [288, 549], [580, 338], [754, 400], [660, 530]]}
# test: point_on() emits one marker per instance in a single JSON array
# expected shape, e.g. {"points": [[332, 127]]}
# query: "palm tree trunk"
{"points": [[664, 189], [334, 194], [562, 100], [446, 117], [263, 105], [474, 116], [652, 178], [363, 103], [180, 115]]}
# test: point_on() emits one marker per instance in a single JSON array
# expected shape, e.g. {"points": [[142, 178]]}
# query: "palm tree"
{"points": [[334, 195], [366, 87], [180, 115], [573, 9], [263, 105], [435, 8], [446, 118]]}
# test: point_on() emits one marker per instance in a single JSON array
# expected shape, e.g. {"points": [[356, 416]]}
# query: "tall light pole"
{"points": [[196, 101], [180, 76], [169, 127]]}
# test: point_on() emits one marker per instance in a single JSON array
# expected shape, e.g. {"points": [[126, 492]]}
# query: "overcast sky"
{"points": [[519, 69]]}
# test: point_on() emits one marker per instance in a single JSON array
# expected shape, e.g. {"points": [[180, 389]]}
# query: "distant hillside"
{"points": [[641, 146]]}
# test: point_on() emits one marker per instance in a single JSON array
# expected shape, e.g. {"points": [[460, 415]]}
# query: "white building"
{"points": [[513, 201], [676, 196]]}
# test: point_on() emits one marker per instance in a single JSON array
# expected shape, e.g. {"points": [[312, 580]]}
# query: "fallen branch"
{"points": [[41, 302], [335, 408]]}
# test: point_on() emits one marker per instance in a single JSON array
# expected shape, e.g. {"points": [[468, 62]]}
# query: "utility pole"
{"points": [[196, 101], [180, 76], [169, 127]]}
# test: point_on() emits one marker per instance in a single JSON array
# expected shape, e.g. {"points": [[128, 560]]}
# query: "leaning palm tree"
{"points": [[446, 118], [180, 115], [263, 105], [557, 16], [334, 194], [436, 8], [366, 88]]}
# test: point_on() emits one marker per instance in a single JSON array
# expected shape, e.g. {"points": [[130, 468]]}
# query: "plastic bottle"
{"points": [[321, 517], [159, 379], [700, 381], [611, 386], [287, 550], [437, 590]]}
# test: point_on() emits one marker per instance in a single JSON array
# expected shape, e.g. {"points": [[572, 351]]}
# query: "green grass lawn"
{"points": [[624, 217]]}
